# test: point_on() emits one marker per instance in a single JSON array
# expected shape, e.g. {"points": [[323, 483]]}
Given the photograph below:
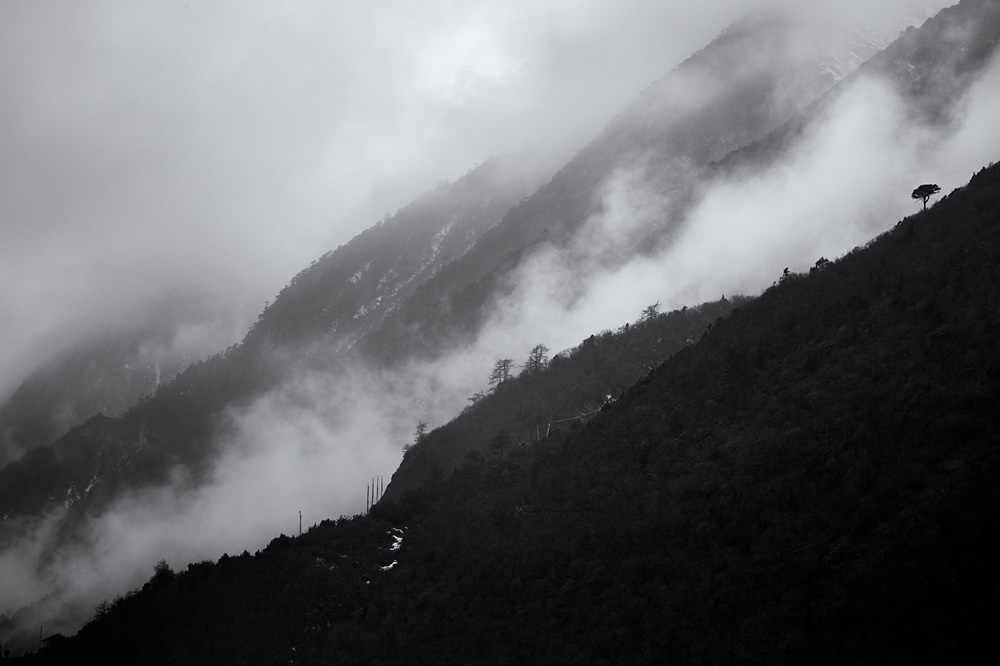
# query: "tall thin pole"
{"points": [[300, 523]]}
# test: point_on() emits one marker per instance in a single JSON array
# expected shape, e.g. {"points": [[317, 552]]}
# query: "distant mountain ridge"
{"points": [[106, 376]]}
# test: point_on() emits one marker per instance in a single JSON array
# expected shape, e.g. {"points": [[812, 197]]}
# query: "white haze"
{"points": [[312, 444]]}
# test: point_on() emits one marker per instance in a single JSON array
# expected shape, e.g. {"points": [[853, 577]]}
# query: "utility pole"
{"points": [[300, 523]]}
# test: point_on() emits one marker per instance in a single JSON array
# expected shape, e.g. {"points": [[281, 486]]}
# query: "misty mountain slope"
{"points": [[748, 81], [104, 378], [555, 395], [108, 372], [58, 500], [329, 305], [963, 39], [348, 293], [930, 68], [812, 482]]}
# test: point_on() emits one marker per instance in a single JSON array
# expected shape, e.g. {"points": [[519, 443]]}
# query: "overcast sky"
{"points": [[216, 148]]}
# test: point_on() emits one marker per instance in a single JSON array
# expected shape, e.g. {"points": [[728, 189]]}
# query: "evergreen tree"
{"points": [[651, 312], [501, 373], [925, 192], [538, 359], [420, 432]]}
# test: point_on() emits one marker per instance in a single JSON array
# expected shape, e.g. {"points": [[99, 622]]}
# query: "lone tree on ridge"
{"points": [[925, 192]]}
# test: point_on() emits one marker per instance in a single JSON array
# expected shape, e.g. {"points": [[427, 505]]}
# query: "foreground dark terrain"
{"points": [[813, 481]]}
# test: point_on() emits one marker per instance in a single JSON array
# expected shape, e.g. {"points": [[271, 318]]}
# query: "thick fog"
{"points": [[213, 149], [217, 149]]}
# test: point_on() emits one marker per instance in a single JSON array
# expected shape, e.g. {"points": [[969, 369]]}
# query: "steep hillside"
{"points": [[812, 482], [554, 396]]}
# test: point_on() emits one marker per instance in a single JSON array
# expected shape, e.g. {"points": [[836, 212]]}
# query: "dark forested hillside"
{"points": [[554, 396], [811, 482]]}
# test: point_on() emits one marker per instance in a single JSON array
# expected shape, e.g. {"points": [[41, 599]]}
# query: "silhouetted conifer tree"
{"points": [[501, 373], [538, 358], [925, 192]]}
